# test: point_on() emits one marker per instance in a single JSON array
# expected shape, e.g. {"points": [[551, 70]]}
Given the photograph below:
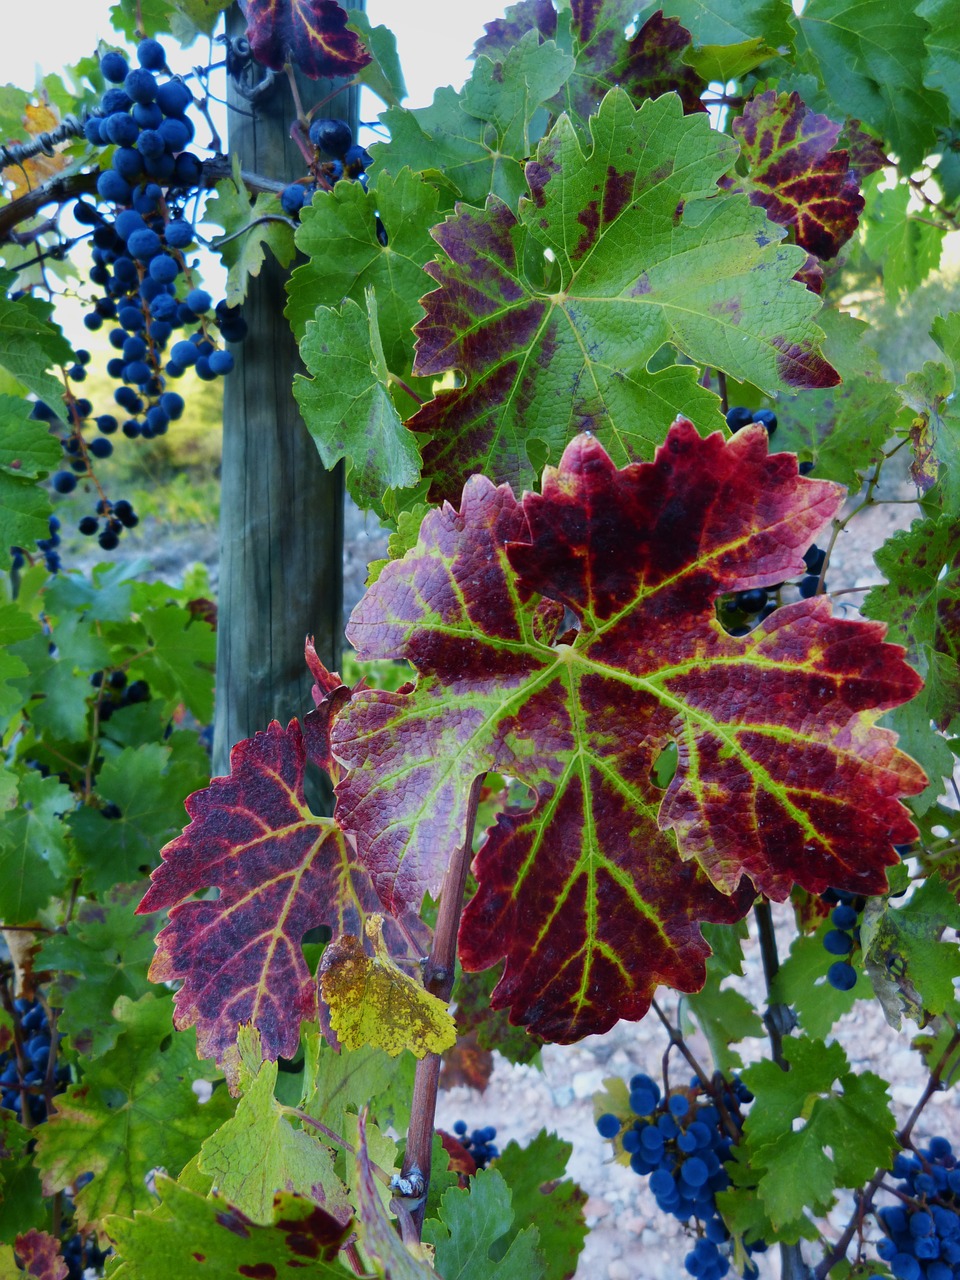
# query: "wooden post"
{"points": [[281, 519]]}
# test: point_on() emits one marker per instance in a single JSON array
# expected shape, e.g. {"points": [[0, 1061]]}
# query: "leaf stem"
{"points": [[438, 976], [399, 382]]}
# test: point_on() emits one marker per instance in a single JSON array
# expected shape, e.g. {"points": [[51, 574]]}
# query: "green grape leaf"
{"points": [[795, 172], [647, 252], [353, 416], [480, 138], [258, 1152], [103, 954], [250, 228], [27, 449], [281, 871], [728, 61], [312, 34], [801, 982], [382, 73], [871, 57], [372, 1001], [540, 1196], [920, 603], [905, 250], [911, 965], [55, 690], [471, 1225], [30, 343], [24, 514], [942, 70], [339, 234], [197, 1237], [106, 595], [813, 1128], [843, 431], [149, 785], [930, 749], [16, 625], [935, 434], [724, 1015], [179, 657], [712, 22], [133, 1111], [335, 1082], [607, 869], [34, 847]]}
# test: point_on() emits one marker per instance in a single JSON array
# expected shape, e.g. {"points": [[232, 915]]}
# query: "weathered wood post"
{"points": [[281, 520]]}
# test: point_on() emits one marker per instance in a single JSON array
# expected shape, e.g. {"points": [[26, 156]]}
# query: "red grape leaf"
{"points": [[796, 175], [312, 34], [281, 870], [647, 65], [40, 1256], [597, 894], [645, 251]]}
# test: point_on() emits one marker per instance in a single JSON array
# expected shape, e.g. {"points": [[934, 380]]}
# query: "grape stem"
{"points": [[438, 976], [779, 1020]]}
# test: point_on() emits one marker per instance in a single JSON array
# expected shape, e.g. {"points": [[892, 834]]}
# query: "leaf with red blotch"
{"points": [[795, 174], [281, 871], [645, 66], [597, 894], [312, 34], [39, 1255], [638, 248]]}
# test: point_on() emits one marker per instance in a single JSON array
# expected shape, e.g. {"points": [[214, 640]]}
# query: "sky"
{"points": [[433, 36]]}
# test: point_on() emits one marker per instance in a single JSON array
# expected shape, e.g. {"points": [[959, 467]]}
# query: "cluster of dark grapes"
{"points": [[25, 1075], [162, 323], [741, 612], [844, 937], [81, 1253], [921, 1233], [740, 416], [116, 691], [681, 1142], [479, 1143], [334, 138]]}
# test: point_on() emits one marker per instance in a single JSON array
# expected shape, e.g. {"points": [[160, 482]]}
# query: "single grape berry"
{"points": [[766, 418], [842, 976], [64, 482], [751, 601], [150, 55], [335, 137], [114, 67], [738, 417]]}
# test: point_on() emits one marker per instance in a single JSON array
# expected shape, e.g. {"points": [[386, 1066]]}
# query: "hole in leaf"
{"points": [[665, 766], [520, 797]]}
